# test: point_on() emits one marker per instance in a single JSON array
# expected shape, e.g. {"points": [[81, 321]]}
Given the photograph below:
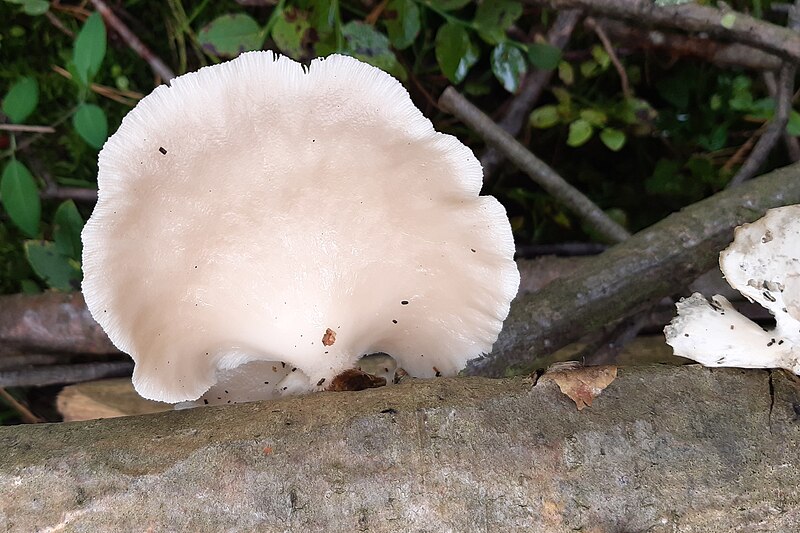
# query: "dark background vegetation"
{"points": [[664, 128]]}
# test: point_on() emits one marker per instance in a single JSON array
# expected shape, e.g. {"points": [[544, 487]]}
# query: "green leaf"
{"points": [[793, 127], [367, 44], [595, 117], [67, 226], [21, 100], [728, 20], [90, 48], [448, 5], [580, 131], [35, 7], [566, 73], [20, 197], [402, 21], [614, 139], [455, 52], [508, 66], [544, 117], [229, 35], [494, 17], [544, 56], [91, 123], [601, 56], [29, 286], [289, 32], [589, 68], [59, 272]]}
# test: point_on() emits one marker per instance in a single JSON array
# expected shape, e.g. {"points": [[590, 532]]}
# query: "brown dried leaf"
{"points": [[354, 380], [583, 384]]}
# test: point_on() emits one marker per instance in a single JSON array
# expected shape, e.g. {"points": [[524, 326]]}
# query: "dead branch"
{"points": [[690, 17], [660, 449], [55, 374], [453, 102], [775, 129], [609, 48], [699, 46], [158, 66]]}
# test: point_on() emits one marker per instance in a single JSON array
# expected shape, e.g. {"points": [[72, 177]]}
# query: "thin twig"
{"points": [[55, 21], [741, 153], [453, 102], [26, 128], [78, 194], [775, 129], [121, 96], [533, 84], [56, 374], [156, 64], [25, 414], [791, 142], [623, 76]]}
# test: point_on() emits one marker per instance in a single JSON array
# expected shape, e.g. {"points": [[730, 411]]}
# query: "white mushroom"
{"points": [[257, 212], [763, 263]]}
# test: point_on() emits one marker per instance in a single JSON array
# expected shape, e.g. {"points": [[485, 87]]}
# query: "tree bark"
{"points": [[661, 449]]}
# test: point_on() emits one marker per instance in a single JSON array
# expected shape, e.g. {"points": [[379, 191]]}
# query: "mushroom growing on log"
{"points": [[261, 225]]}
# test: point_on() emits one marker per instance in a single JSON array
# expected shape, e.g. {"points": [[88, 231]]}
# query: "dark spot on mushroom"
{"points": [[326, 351], [770, 343], [226, 392], [195, 266], [780, 342], [768, 296], [731, 326], [205, 401], [422, 355], [162, 150], [219, 398], [274, 368], [389, 411], [472, 250], [404, 302], [229, 401], [394, 321], [284, 388], [283, 364], [293, 369], [320, 382], [720, 360], [266, 383], [438, 374], [313, 140], [685, 334], [385, 369]]}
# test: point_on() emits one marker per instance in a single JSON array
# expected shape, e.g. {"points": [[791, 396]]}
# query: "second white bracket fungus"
{"points": [[763, 263], [261, 225]]}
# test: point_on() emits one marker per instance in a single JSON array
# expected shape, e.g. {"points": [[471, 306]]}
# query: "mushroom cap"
{"points": [[763, 263], [253, 207]]}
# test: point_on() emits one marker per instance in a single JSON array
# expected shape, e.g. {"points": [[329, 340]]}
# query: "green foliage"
{"points": [[90, 48], [21, 100], [20, 197], [229, 35], [639, 156]]}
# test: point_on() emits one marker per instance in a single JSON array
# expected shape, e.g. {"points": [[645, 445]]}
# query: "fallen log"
{"points": [[661, 449]]}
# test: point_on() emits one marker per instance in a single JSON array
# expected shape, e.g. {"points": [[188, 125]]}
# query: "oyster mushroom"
{"points": [[762, 263], [261, 225]]}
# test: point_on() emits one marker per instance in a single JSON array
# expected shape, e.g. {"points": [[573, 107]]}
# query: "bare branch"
{"points": [[52, 375], [452, 101], [691, 17], [609, 48], [27, 129], [156, 64], [773, 132]]}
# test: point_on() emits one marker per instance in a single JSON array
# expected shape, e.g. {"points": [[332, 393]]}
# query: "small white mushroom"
{"points": [[259, 212], [763, 263]]}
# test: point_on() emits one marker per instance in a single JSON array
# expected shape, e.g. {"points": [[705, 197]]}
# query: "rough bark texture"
{"points": [[50, 322], [654, 263], [662, 449]]}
